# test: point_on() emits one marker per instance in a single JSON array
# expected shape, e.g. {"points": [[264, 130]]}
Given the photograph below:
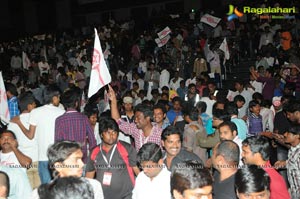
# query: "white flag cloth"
{"points": [[166, 31], [82, 102], [25, 60], [224, 48], [210, 20], [4, 111], [161, 42], [100, 75]]}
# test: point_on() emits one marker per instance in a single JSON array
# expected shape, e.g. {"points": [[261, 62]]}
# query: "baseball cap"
{"points": [[127, 100], [276, 101]]}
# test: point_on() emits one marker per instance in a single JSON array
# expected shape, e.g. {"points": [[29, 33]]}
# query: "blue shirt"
{"points": [[13, 107], [171, 115]]}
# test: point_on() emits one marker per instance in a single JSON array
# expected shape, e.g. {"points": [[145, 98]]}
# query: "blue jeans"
{"points": [[44, 172]]}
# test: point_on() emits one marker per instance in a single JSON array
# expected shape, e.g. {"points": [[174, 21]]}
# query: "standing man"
{"points": [[256, 151], [142, 129], [12, 93], [154, 180], [73, 125], [43, 129], [27, 146], [225, 160], [113, 163]]}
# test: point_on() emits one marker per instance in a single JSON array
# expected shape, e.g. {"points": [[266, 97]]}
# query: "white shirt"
{"points": [[175, 85], [158, 187], [267, 119], [44, 119], [238, 141], [209, 103], [26, 146], [258, 86], [164, 78], [10, 160], [190, 81], [248, 97]]}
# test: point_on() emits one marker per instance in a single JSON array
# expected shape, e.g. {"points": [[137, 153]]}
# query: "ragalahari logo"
{"points": [[233, 13]]}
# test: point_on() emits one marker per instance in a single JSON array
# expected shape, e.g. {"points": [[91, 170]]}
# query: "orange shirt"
{"points": [[286, 39]]}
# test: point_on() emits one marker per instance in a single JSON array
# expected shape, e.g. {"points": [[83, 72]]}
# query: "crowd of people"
{"points": [[164, 127]]}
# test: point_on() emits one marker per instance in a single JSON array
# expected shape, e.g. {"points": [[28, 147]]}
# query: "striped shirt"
{"points": [[293, 170], [139, 138], [75, 126]]}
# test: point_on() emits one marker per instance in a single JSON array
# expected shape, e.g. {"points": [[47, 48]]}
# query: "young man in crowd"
{"points": [[256, 151], [142, 129], [190, 180], [154, 180], [113, 163], [171, 139], [252, 182]]}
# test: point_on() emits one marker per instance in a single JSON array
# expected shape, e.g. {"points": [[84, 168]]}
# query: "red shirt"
{"points": [[278, 188]]}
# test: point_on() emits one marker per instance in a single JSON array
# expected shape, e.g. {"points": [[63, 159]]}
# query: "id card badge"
{"points": [[107, 178]]}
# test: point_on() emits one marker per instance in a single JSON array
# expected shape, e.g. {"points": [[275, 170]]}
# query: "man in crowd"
{"points": [[154, 180], [190, 180], [142, 129], [171, 139], [12, 93], [43, 129], [73, 125], [113, 162], [256, 151], [225, 160]]}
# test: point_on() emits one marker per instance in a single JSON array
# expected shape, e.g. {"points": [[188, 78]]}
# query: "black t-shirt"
{"points": [[121, 185], [223, 189]]}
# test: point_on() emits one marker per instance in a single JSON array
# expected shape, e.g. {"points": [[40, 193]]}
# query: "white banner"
{"points": [[100, 75], [162, 42], [4, 111], [210, 20], [225, 49], [166, 31]]}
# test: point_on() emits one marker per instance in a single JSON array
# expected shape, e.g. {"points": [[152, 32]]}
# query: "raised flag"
{"points": [[161, 42], [100, 75], [4, 111], [25, 60], [210, 20], [166, 31], [224, 48]]}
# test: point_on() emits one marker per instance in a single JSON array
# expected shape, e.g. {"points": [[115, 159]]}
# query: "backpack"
{"points": [[124, 154]]}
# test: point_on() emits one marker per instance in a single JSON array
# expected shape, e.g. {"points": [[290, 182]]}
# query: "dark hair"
{"points": [[165, 88], [91, 109], [71, 98], [193, 114], [9, 131], [295, 129], [189, 175], [149, 152], [292, 106], [271, 71], [160, 106], [221, 114], [4, 181], [25, 99], [176, 99], [60, 151], [251, 179], [106, 123], [11, 88], [240, 82], [253, 103], [191, 85], [258, 144], [239, 98], [67, 187], [231, 108], [146, 110], [258, 97], [229, 150], [232, 126], [170, 130], [49, 92], [201, 106]]}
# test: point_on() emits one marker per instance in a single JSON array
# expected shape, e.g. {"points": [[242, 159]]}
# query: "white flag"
{"points": [[4, 111], [210, 20], [224, 48], [162, 42], [100, 75], [82, 102], [166, 31], [25, 60]]}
